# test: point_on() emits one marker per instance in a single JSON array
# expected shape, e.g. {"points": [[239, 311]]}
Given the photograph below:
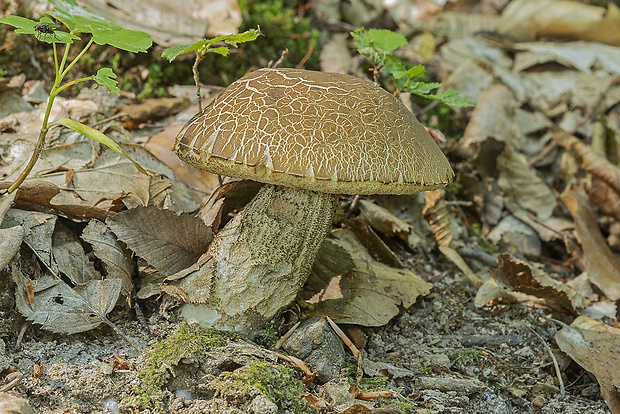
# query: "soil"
{"points": [[462, 360]]}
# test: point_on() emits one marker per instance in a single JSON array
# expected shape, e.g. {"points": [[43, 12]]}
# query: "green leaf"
{"points": [[98, 136], [89, 132], [222, 50], [204, 45], [386, 40], [105, 32], [172, 52], [106, 77], [27, 26]]}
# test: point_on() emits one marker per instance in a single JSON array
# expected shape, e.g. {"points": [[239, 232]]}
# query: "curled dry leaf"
{"points": [[113, 255], [168, 242], [370, 293], [525, 278], [602, 265], [437, 214], [59, 308], [594, 346], [591, 161]]}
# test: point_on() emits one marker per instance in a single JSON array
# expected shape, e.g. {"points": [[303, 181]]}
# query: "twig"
{"points": [[121, 334], [555, 362], [286, 336], [12, 383], [305, 58], [20, 336], [356, 353], [279, 61]]}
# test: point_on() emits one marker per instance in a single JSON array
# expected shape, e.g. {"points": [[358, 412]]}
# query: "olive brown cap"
{"points": [[317, 131]]}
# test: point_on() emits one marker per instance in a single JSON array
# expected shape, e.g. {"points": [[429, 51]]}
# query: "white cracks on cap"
{"points": [[267, 161], [310, 173]]}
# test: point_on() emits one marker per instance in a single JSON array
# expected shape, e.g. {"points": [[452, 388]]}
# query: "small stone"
{"points": [[261, 405], [319, 347], [461, 386]]}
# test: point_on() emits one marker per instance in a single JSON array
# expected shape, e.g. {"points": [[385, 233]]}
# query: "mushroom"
{"points": [[308, 136]]}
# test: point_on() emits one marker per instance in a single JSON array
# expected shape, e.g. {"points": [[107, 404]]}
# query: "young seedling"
{"points": [[204, 46], [78, 21], [378, 44]]}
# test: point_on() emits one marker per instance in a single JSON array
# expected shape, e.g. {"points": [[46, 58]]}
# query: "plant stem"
{"points": [[199, 57], [56, 89], [73, 82], [90, 42]]}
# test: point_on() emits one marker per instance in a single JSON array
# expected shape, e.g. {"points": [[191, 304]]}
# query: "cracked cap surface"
{"points": [[318, 131]]}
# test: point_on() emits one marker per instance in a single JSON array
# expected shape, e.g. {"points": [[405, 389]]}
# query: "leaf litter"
{"points": [[96, 219]]}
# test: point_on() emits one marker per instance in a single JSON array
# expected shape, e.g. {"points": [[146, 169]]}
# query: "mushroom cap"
{"points": [[318, 131]]}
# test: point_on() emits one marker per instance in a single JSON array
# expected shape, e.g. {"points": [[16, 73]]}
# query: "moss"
{"points": [[276, 382], [487, 247], [162, 357], [467, 357]]}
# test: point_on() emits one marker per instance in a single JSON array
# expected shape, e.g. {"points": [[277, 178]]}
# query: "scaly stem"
{"points": [[56, 89]]}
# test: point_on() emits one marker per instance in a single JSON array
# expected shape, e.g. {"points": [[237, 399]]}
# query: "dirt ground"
{"points": [[459, 359]]}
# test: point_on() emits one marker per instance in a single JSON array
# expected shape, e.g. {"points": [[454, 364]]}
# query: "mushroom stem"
{"points": [[261, 259]]}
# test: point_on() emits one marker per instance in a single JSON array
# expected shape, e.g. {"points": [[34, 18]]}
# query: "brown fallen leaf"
{"points": [[360, 394], [370, 294], [168, 242], [114, 256], [151, 110], [524, 188], [594, 346], [604, 197], [557, 18], [298, 363], [57, 307], [314, 401], [602, 265], [591, 161], [525, 278]]}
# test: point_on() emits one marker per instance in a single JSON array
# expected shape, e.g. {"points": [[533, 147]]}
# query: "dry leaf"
{"points": [[524, 188], [494, 117], [113, 255], [168, 242], [591, 161], [561, 18], [169, 23], [525, 278], [313, 401], [371, 292], [375, 245], [59, 308], [456, 258], [492, 291], [602, 265], [151, 110], [37, 229], [594, 346], [70, 258]]}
